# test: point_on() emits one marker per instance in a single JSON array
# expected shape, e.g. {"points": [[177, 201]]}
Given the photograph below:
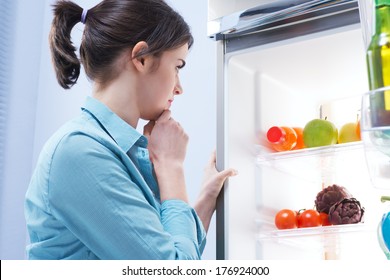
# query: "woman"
{"points": [[101, 190]]}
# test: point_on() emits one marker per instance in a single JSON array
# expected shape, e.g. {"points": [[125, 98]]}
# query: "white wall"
{"points": [[39, 106], [20, 126]]}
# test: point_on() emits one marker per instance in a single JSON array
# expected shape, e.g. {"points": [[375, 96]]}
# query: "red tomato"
{"points": [[325, 219], [309, 218], [286, 219]]}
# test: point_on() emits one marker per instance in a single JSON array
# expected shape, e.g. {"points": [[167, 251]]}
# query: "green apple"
{"points": [[319, 132], [348, 133]]}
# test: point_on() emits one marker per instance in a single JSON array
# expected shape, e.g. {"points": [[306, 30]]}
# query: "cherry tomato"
{"points": [[286, 219], [325, 219], [309, 218]]}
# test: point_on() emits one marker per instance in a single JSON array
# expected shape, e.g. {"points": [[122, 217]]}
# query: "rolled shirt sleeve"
{"points": [[175, 214]]}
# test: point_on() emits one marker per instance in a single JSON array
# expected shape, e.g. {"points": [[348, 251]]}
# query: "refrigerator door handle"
{"points": [[265, 14]]}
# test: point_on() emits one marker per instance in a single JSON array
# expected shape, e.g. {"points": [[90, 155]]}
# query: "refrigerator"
{"points": [[284, 63]]}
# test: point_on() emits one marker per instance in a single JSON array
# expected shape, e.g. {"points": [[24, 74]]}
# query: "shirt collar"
{"points": [[122, 133]]}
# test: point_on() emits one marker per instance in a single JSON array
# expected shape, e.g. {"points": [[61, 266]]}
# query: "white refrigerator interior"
{"points": [[288, 82]]}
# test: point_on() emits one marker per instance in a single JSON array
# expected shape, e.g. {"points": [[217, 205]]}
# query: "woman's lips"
{"points": [[169, 103]]}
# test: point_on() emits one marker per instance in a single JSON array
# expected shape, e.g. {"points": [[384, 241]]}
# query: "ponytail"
{"points": [[66, 63], [111, 28]]}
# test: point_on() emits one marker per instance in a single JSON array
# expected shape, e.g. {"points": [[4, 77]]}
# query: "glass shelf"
{"points": [[330, 150], [313, 231], [324, 164], [330, 242]]}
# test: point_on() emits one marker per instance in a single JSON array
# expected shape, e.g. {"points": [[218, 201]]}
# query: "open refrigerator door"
{"points": [[293, 64]]}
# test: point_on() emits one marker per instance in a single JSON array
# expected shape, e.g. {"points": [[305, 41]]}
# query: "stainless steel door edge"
{"points": [[266, 14]]}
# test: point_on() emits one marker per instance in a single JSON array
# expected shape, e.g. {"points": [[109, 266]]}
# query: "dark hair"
{"points": [[111, 27]]}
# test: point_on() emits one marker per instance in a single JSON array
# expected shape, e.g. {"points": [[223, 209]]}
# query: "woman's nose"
{"points": [[178, 89]]}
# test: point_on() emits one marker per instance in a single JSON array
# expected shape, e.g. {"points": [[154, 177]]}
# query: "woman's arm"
{"points": [[167, 149]]}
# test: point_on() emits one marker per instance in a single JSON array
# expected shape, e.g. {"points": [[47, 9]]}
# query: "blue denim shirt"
{"points": [[93, 195]]}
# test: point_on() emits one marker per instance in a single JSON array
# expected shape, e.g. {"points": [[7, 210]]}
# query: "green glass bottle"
{"points": [[378, 63]]}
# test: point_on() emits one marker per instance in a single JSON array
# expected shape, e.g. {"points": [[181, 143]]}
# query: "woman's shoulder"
{"points": [[78, 136]]}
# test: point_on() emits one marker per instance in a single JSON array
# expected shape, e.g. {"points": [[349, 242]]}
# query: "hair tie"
{"points": [[84, 16]]}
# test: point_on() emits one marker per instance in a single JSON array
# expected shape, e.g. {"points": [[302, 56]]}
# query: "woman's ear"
{"points": [[139, 61]]}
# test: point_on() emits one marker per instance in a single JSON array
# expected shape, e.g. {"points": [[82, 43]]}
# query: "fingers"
{"points": [[223, 175], [148, 128], [166, 115]]}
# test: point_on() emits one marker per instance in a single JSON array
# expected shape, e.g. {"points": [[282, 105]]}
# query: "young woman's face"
{"points": [[161, 85]]}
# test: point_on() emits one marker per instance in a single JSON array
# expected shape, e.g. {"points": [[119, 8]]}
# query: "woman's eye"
{"points": [[180, 66]]}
